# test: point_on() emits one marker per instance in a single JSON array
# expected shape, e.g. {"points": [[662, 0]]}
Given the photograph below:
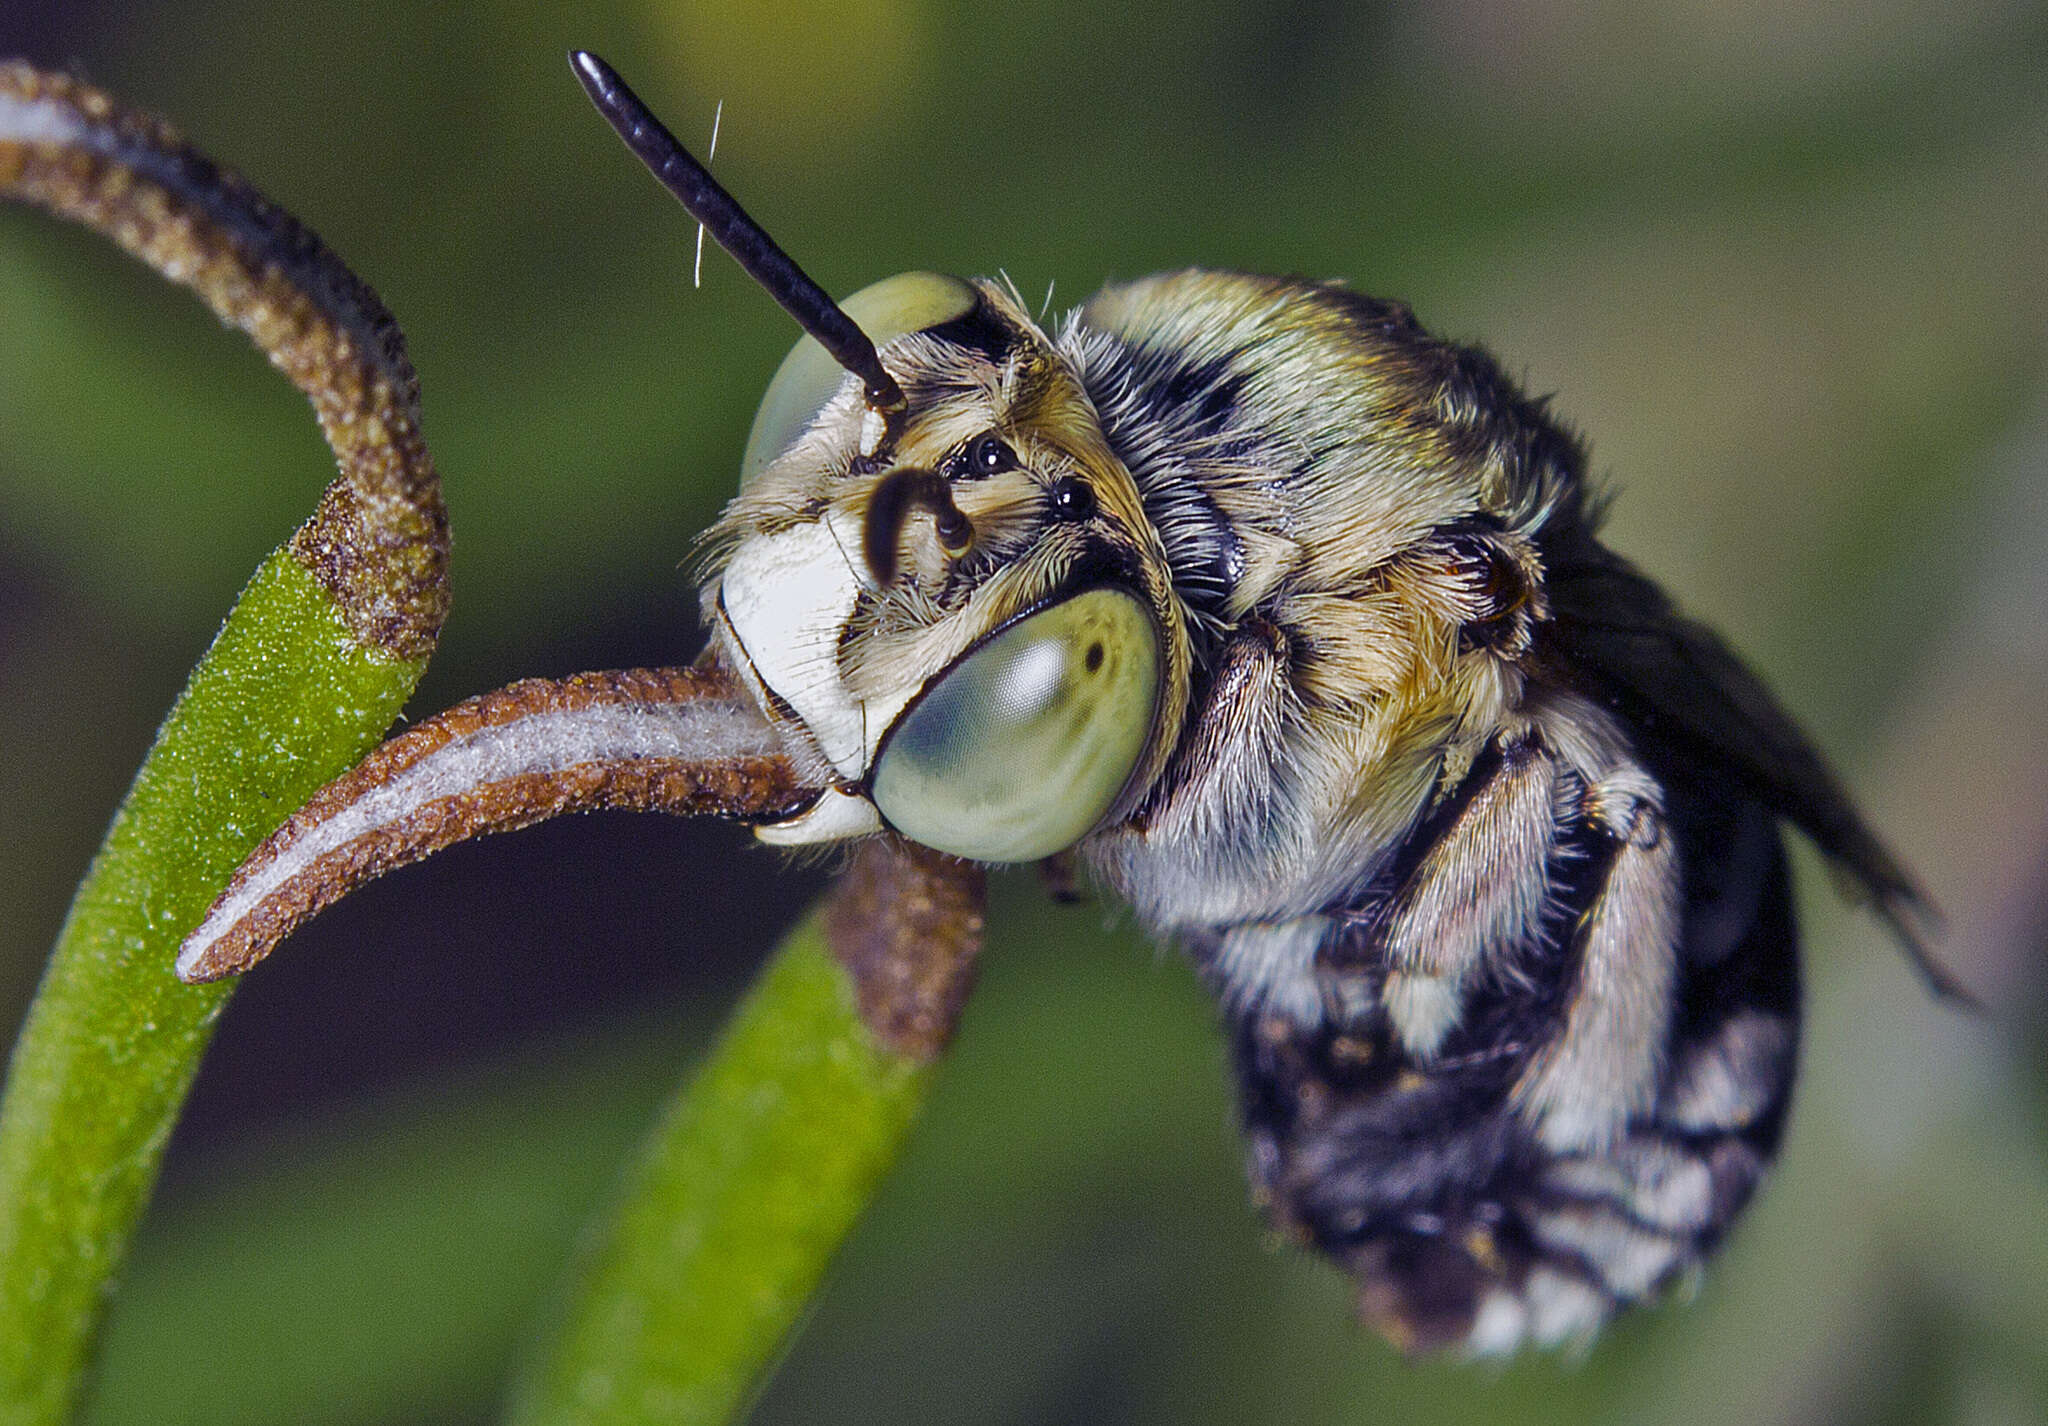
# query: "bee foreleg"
{"points": [[1223, 777]]}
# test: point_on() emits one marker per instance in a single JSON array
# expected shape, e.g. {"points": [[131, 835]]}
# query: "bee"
{"points": [[1291, 622]]}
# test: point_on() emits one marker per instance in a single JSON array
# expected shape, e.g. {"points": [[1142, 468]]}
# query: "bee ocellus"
{"points": [[1291, 622]]}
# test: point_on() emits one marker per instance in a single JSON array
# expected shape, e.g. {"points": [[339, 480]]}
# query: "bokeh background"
{"points": [[1783, 263]]}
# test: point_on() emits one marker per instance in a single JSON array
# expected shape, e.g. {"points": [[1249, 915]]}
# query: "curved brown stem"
{"points": [[645, 740], [379, 540], [906, 923]]}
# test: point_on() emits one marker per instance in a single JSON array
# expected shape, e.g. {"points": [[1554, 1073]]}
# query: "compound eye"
{"points": [[809, 377], [1025, 743]]}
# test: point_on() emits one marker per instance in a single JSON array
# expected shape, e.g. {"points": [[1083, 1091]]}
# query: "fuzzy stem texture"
{"points": [[285, 698]]}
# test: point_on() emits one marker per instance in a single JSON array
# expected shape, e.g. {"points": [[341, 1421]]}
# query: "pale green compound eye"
{"points": [[808, 376], [1019, 749]]}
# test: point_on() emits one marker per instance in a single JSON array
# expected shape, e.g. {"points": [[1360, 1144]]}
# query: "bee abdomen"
{"points": [[1433, 1184]]}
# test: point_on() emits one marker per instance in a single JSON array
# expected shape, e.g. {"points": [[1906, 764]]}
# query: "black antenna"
{"points": [[738, 234]]}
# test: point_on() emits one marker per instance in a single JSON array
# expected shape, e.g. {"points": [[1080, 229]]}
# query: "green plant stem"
{"points": [[748, 1185], [285, 699]]}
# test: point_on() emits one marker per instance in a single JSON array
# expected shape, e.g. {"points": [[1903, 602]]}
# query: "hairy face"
{"points": [[979, 605]]}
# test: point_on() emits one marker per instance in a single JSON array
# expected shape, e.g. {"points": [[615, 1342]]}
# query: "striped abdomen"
{"points": [[1554, 1058]]}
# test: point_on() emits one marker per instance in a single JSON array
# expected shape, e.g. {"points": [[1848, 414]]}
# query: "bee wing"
{"points": [[1620, 633]]}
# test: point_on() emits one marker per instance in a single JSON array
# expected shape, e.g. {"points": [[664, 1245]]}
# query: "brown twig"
{"points": [[645, 740], [906, 923], [379, 540]]}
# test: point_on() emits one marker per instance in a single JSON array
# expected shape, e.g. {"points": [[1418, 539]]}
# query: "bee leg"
{"points": [[1224, 774], [1057, 874], [1602, 1070], [1619, 1223], [1475, 897]]}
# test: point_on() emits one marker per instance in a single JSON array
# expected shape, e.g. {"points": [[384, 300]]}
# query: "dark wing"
{"points": [[1619, 634]]}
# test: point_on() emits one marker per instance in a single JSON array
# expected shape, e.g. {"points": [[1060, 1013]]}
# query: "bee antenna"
{"points": [[733, 230]]}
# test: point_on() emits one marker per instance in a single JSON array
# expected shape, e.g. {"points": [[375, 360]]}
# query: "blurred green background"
{"points": [[1783, 264]]}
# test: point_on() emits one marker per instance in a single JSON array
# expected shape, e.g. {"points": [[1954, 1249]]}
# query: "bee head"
{"points": [[969, 622], [937, 577]]}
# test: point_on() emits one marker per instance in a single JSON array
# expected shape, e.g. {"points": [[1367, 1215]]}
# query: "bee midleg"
{"points": [[1477, 894]]}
